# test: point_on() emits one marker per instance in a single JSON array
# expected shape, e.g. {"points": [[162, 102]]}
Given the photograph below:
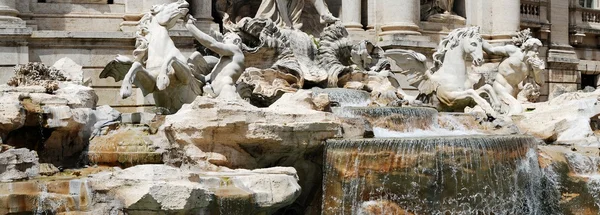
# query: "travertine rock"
{"points": [[47, 169], [251, 137], [72, 71], [213, 134], [153, 189], [37, 74], [149, 188], [564, 119], [574, 173], [18, 164], [57, 125]]}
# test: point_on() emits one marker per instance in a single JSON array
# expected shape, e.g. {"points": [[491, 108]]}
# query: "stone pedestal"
{"points": [[351, 15], [399, 17]]}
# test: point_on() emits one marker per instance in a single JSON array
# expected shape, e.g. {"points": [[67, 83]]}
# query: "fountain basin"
{"points": [[433, 175]]}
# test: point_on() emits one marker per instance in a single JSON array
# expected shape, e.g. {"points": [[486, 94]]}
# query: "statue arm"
{"points": [[208, 41], [496, 50]]}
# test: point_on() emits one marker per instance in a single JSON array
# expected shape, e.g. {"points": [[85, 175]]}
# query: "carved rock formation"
{"points": [[564, 119], [18, 164], [56, 125], [263, 87], [37, 74]]}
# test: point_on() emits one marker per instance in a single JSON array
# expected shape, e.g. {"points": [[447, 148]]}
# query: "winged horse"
{"points": [[448, 79], [158, 66]]}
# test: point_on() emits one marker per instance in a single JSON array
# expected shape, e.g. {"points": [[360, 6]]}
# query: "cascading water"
{"points": [[405, 121], [345, 97], [433, 175]]}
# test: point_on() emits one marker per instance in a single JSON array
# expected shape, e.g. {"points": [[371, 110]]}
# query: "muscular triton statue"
{"points": [[522, 62], [288, 12], [221, 81]]}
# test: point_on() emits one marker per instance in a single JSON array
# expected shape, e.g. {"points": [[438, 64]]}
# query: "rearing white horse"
{"points": [[159, 67], [448, 79]]}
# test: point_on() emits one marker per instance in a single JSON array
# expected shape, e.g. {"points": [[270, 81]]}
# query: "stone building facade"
{"points": [[93, 32]]}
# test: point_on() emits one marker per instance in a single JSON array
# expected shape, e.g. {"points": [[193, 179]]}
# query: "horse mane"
{"points": [[450, 42], [141, 43]]}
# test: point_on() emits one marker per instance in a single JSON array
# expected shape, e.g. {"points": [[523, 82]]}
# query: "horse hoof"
{"points": [[162, 81], [125, 91]]}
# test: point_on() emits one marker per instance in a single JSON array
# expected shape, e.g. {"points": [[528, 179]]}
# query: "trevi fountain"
{"points": [[274, 114]]}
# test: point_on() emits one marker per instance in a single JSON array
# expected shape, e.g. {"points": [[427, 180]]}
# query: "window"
{"points": [[588, 3], [589, 81]]}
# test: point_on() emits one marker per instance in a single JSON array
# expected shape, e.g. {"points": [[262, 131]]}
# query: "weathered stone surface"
{"points": [[564, 119], [153, 189], [251, 137], [47, 169], [56, 125], [150, 188], [18, 164], [212, 134], [72, 71], [574, 173], [126, 146]]}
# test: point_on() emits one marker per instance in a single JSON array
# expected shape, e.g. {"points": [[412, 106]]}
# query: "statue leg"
{"points": [[514, 106], [284, 14], [470, 93], [126, 86], [162, 80], [487, 89], [323, 10], [182, 70]]}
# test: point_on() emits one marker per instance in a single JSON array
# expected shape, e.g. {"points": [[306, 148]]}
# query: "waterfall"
{"points": [[433, 175]]}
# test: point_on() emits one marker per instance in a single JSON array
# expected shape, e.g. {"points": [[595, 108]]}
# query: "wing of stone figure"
{"points": [[412, 63], [119, 67]]}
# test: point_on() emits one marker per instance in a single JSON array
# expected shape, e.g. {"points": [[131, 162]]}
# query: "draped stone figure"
{"points": [[288, 12], [439, 11]]}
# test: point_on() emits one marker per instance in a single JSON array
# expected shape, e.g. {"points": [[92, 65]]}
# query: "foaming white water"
{"points": [[382, 133]]}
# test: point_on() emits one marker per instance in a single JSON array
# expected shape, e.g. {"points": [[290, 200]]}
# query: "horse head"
{"points": [[167, 14], [472, 44]]}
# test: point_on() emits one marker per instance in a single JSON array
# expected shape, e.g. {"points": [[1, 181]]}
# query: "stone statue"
{"points": [[522, 63], [221, 81], [529, 93], [158, 66], [448, 79], [312, 61], [287, 13], [369, 57], [439, 11]]}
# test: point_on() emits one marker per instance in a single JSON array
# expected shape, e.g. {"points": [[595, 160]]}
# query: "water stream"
{"points": [[433, 175]]}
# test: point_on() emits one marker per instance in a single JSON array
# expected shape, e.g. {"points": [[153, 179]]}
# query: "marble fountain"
{"points": [[276, 121]]}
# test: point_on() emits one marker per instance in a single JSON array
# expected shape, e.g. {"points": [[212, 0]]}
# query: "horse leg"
{"points": [[470, 93], [182, 70], [162, 80], [126, 86]]}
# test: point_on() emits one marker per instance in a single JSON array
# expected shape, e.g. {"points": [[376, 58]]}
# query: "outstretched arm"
{"points": [[206, 40], [496, 50]]}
